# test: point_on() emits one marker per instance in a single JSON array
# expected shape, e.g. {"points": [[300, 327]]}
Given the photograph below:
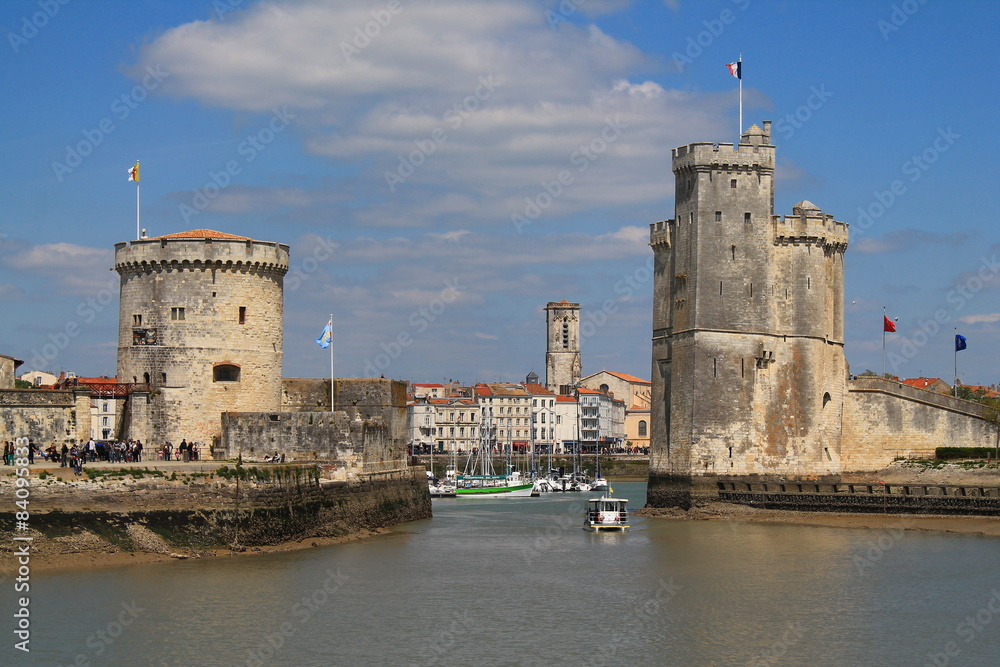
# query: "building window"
{"points": [[243, 314], [163, 378], [177, 313], [718, 216], [642, 428], [105, 407], [732, 184], [104, 421], [137, 320], [746, 218], [226, 373]]}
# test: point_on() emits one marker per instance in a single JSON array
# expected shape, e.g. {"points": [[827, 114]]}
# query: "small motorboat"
{"points": [[606, 513]]}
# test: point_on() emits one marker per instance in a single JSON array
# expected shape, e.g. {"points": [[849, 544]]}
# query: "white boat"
{"points": [[606, 513], [599, 484], [441, 488]]}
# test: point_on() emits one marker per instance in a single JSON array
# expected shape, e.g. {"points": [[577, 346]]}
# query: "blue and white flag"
{"points": [[326, 337], [960, 343]]}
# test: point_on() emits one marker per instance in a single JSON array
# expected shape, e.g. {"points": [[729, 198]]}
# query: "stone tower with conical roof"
{"points": [[748, 362], [200, 326]]}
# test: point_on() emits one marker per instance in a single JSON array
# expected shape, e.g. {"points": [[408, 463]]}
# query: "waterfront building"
{"points": [[749, 375], [543, 416], [635, 392]]}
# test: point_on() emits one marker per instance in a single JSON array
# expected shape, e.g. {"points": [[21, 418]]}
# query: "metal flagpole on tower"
{"points": [[740, 70], [138, 233]]}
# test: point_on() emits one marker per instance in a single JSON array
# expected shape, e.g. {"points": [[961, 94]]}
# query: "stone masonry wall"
{"points": [[47, 417], [305, 394], [300, 436], [885, 420]]}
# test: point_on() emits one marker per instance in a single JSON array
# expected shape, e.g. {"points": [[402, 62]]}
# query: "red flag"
{"points": [[890, 326]]}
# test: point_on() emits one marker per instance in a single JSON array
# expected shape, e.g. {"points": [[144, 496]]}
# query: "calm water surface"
{"points": [[517, 582]]}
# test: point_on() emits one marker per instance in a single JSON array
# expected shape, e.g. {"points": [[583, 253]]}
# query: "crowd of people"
{"points": [[76, 454]]}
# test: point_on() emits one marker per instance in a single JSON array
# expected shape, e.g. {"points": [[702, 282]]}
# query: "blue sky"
{"points": [[427, 153]]}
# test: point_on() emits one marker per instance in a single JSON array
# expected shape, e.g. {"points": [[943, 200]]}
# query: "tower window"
{"points": [[226, 373], [732, 184], [137, 320], [243, 314], [177, 313], [746, 218], [163, 378], [718, 216]]}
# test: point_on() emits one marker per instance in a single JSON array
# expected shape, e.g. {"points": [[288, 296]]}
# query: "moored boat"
{"points": [[493, 486], [606, 513]]}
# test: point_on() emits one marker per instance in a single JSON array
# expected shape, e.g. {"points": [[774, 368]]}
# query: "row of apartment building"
{"points": [[452, 418]]}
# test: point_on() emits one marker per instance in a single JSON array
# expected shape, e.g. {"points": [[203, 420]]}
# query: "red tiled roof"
{"points": [[538, 390], [629, 378], [585, 390], [921, 383], [638, 408], [416, 384], [565, 399], [482, 390], [203, 234]]}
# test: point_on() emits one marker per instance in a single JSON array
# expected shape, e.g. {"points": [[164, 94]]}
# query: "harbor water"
{"points": [[518, 582]]}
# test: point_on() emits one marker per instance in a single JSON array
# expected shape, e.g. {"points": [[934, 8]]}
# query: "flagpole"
{"points": [[332, 406], [740, 70], [884, 316], [137, 232], [955, 341]]}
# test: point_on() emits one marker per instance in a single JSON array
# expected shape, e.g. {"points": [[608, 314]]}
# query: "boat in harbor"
{"points": [[442, 488], [606, 513], [511, 485]]}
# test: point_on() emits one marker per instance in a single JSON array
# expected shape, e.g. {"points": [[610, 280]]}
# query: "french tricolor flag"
{"points": [[736, 69]]}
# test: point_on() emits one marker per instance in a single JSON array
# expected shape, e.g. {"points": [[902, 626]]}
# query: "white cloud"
{"points": [[75, 269], [482, 100], [977, 319]]}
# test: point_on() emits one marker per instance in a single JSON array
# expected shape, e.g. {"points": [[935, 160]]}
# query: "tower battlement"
{"points": [[754, 152], [808, 225], [201, 250], [660, 233]]}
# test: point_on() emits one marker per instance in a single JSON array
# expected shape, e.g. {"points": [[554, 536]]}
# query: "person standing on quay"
{"points": [[184, 450]]}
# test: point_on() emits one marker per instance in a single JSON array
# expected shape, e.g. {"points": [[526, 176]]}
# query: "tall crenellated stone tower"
{"points": [[200, 321], [748, 328], [562, 352]]}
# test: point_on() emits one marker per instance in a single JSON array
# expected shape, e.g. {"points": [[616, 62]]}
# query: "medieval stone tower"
{"points": [[200, 321], [749, 373], [562, 352]]}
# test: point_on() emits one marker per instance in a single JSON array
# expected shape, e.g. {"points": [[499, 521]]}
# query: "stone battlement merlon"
{"points": [[660, 233], [808, 225], [192, 254], [723, 157]]}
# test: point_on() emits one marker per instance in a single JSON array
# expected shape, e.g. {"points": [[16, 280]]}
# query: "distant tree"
{"points": [[22, 384], [977, 395]]}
